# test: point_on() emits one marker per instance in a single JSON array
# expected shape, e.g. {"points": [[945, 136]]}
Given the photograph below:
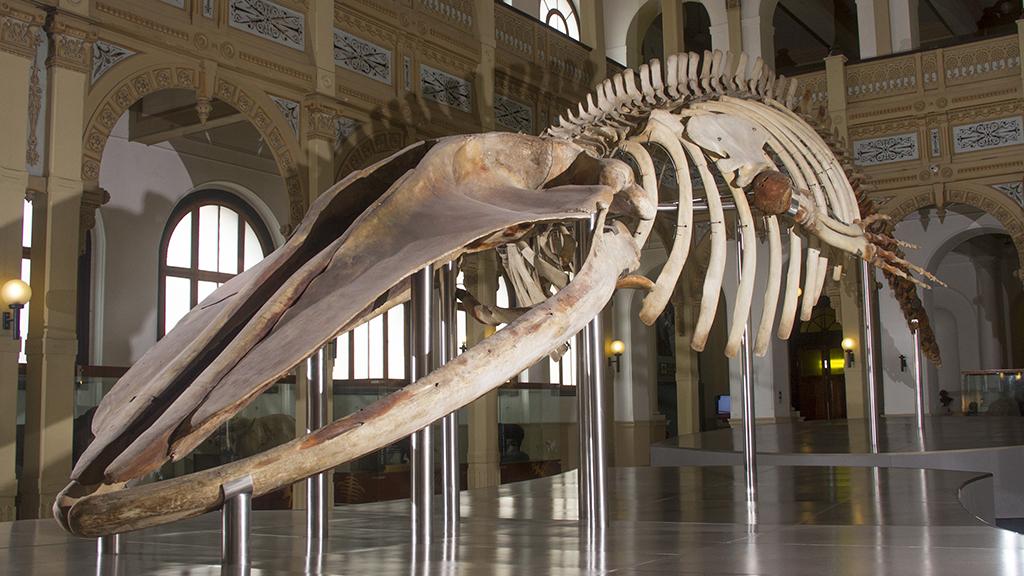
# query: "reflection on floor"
{"points": [[811, 520]]}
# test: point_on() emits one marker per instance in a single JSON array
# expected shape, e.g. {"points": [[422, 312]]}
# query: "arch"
{"points": [[251, 198], [979, 196], [146, 74]]}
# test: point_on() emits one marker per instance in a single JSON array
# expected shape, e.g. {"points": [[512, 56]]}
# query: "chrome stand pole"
{"points": [[918, 378], [235, 522], [593, 505], [422, 451], [317, 397], [446, 351], [108, 545], [747, 377], [867, 276]]}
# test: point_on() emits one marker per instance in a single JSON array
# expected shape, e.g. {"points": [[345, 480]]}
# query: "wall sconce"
{"points": [[15, 294], [848, 345], [616, 348]]}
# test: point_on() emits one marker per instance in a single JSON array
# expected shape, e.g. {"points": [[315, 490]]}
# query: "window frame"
{"points": [[191, 204], [555, 12]]}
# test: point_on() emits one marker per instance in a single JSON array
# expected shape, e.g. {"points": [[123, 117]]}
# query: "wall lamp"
{"points": [[616, 348], [848, 345], [15, 294]]}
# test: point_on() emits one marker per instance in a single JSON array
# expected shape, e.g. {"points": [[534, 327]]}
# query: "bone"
{"points": [[755, 75], [649, 182], [705, 72], [682, 75], [693, 74], [792, 296], [837, 272], [474, 373], [810, 284], [657, 81], [729, 72], [740, 77], [716, 72], [672, 76], [635, 282], [665, 130], [771, 296], [716, 262], [745, 291], [646, 85], [819, 280]]}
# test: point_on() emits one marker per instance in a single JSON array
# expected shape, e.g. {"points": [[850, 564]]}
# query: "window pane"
{"points": [[228, 241], [253, 250], [26, 274], [377, 347], [208, 222], [396, 342], [179, 247], [206, 288], [26, 226], [177, 294], [360, 352], [342, 361]]}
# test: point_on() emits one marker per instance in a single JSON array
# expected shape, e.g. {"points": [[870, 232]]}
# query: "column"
{"points": [[21, 24], [758, 33], [484, 81], [592, 34], [688, 405], [481, 278], [728, 34], [835, 81], [52, 343], [905, 25], [851, 318], [873, 28], [672, 26]]}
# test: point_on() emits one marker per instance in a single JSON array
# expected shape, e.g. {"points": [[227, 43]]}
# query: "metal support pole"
{"points": [[446, 351], [593, 507], [867, 276], [422, 452], [317, 397], [747, 377], [235, 522], [108, 545], [918, 378]]}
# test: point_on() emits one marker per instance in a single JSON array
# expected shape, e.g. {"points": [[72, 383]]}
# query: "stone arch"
{"points": [[979, 196], [370, 149], [146, 74]]}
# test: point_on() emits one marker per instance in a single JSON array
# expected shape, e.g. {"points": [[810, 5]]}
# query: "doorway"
{"points": [[818, 386]]}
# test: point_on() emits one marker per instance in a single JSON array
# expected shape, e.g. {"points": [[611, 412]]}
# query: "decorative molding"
{"points": [[104, 56], [19, 31], [272, 65], [343, 128], [362, 56], [290, 110], [456, 12], [36, 102], [988, 134], [1015, 190], [933, 139], [407, 72], [964, 64], [270, 21], [443, 88], [886, 149], [513, 115], [320, 121], [69, 46], [140, 21]]}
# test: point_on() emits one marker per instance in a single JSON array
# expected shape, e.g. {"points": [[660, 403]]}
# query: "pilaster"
{"points": [[481, 278], [20, 25], [905, 25], [52, 342], [851, 318], [485, 78], [320, 136], [874, 29], [592, 34], [672, 26], [835, 80]]}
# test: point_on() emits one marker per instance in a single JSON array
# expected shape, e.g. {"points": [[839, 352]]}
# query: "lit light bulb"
{"points": [[617, 347], [15, 293], [847, 344]]}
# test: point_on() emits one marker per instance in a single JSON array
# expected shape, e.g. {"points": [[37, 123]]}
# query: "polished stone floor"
{"points": [[896, 434], [810, 521]]}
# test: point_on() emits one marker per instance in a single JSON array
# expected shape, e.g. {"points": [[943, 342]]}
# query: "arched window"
{"points": [[561, 15], [211, 236]]}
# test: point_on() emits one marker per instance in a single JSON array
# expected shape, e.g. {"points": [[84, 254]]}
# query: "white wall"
{"points": [[145, 183], [965, 316]]}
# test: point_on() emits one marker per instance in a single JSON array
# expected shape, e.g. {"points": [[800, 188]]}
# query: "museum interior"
{"points": [[214, 171]]}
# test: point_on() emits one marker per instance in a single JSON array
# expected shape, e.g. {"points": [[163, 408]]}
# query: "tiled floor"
{"points": [[664, 521]]}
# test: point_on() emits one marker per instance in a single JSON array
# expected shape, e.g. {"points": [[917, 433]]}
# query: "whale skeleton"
{"points": [[725, 131]]}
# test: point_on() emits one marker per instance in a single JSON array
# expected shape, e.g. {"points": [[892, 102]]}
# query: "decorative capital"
{"points": [[92, 199], [19, 30], [70, 43], [321, 116]]}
